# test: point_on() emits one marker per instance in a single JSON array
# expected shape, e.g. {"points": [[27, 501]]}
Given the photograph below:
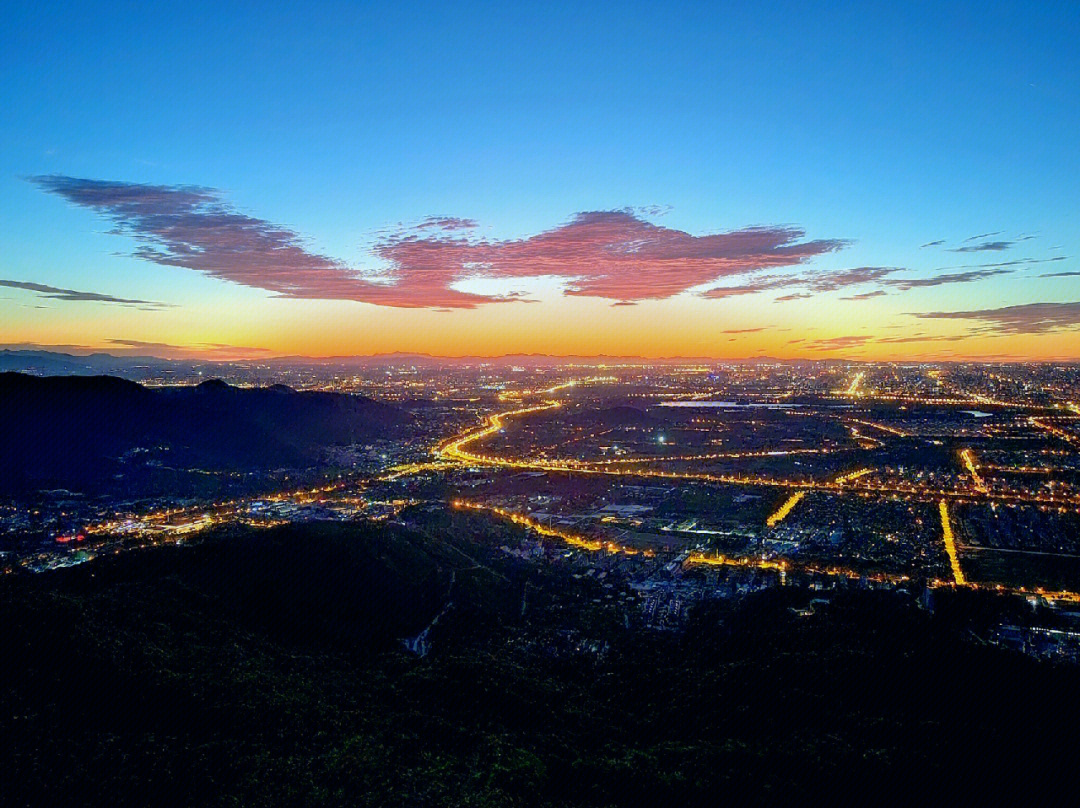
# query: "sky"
{"points": [[725, 180]]}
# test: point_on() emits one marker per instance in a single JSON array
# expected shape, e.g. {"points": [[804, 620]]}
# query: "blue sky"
{"points": [[885, 127]]}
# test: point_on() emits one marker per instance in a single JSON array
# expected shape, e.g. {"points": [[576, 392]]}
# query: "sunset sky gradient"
{"points": [[654, 180]]}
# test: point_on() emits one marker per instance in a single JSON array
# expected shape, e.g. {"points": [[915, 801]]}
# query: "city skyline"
{"points": [[568, 183]]}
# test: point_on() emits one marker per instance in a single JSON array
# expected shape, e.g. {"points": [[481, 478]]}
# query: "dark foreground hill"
{"points": [[76, 431], [264, 669]]}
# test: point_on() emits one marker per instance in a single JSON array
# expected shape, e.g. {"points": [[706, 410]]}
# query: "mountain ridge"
{"points": [[70, 431]]}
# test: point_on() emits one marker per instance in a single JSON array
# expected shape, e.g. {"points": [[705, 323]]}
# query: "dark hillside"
{"points": [[265, 669], [75, 431]]}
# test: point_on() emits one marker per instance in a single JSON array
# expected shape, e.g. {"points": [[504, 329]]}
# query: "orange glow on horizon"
{"points": [[240, 324]]}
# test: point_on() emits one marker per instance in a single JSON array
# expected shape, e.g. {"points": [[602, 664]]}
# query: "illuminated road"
{"points": [[724, 561], [694, 558], [950, 544], [517, 395], [852, 475], [572, 539], [462, 450], [785, 509], [889, 429], [853, 390], [715, 559], [1057, 432], [969, 462], [455, 449], [458, 449]]}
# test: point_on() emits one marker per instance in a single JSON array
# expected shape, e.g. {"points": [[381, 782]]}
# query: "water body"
{"points": [[734, 405], [728, 405]]}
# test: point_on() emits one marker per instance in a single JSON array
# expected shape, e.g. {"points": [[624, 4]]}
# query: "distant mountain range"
{"points": [[57, 363], [73, 431]]}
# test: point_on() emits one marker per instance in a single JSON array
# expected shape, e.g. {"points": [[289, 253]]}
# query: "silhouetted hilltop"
{"points": [[214, 386], [73, 431]]}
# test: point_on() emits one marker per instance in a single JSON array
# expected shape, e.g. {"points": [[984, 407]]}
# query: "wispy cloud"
{"points": [[983, 235], [40, 346], [198, 346], [208, 350], [614, 254], [1015, 262], [825, 281], [752, 287], [651, 210], [831, 281], [57, 293], [922, 336], [984, 246], [446, 223], [142, 345], [854, 341], [865, 295], [1028, 318], [904, 284]]}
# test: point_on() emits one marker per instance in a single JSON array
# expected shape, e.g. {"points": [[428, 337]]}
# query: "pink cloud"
{"points": [[616, 255], [191, 227]]}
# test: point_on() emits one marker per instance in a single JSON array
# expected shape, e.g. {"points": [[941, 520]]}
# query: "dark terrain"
{"points": [[266, 668], [81, 432]]}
